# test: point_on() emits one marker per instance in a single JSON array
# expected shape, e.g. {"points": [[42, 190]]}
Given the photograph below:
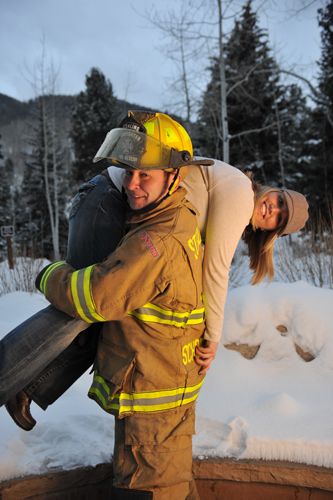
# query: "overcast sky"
{"points": [[113, 36]]}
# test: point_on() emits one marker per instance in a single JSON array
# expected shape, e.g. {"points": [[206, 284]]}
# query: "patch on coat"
{"points": [[194, 243], [144, 236]]}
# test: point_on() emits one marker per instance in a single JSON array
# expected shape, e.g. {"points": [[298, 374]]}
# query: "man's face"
{"points": [[144, 187]]}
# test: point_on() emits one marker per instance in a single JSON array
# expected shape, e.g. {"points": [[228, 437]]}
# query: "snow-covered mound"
{"points": [[275, 406]]}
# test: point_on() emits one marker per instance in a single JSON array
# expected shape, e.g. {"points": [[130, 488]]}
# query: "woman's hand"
{"points": [[204, 355]]}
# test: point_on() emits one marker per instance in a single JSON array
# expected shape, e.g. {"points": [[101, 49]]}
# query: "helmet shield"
{"points": [[133, 149]]}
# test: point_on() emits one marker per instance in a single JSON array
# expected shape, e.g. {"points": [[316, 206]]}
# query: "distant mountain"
{"points": [[17, 121], [11, 109]]}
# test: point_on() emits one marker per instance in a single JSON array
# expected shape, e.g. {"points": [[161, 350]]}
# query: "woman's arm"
{"points": [[230, 207], [224, 197]]}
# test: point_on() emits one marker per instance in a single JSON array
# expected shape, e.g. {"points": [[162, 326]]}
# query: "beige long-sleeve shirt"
{"points": [[224, 198]]}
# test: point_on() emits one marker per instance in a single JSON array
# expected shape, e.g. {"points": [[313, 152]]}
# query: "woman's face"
{"points": [[270, 211]]}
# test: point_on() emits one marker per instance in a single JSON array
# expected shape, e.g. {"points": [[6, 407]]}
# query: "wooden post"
{"points": [[10, 252]]}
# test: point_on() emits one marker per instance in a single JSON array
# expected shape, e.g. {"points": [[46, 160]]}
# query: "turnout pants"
{"points": [[154, 453]]}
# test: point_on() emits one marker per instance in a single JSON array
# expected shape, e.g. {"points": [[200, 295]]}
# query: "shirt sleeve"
{"points": [[230, 207], [109, 290], [116, 174]]}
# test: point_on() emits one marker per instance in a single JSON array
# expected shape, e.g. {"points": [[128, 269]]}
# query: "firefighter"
{"points": [[228, 203], [148, 296]]}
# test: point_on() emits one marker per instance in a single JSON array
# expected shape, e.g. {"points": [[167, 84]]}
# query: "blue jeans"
{"points": [[48, 352]]}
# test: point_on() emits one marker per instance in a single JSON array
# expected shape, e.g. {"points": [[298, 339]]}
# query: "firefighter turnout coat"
{"points": [[148, 293]]}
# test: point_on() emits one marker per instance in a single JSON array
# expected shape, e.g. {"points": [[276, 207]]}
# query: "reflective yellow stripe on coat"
{"points": [[142, 402], [148, 313], [47, 274], [82, 296], [151, 313]]}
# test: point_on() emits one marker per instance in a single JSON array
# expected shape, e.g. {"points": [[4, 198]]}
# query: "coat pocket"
{"points": [[115, 366], [160, 428]]}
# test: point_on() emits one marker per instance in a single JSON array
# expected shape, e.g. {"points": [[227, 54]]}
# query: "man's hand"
{"points": [[205, 354]]}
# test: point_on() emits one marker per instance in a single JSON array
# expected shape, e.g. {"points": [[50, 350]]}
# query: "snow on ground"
{"points": [[275, 406]]}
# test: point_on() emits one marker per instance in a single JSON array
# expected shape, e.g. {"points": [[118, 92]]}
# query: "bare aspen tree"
{"points": [[47, 80], [43, 81], [194, 33], [54, 207], [184, 45], [223, 87], [280, 145]]}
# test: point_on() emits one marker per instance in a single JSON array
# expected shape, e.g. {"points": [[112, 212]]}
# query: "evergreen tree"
{"points": [[94, 115], [41, 213], [312, 184], [252, 93], [294, 138], [7, 213], [32, 222], [1, 155], [323, 115], [4, 190]]}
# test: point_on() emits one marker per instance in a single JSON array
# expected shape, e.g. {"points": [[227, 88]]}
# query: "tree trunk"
{"points": [[185, 83], [223, 89], [280, 145]]}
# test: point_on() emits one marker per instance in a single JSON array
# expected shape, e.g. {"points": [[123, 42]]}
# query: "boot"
{"points": [[129, 494], [18, 408]]}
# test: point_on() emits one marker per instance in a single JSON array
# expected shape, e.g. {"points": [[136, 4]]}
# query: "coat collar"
{"points": [[175, 200]]}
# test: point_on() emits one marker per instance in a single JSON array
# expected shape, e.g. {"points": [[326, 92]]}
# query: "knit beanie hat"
{"points": [[297, 211]]}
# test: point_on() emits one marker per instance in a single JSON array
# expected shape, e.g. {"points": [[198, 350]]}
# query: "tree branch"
{"points": [[315, 95], [252, 131], [245, 79], [305, 80]]}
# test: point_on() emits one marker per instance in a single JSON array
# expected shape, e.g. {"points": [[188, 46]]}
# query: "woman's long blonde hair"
{"points": [[260, 242]]}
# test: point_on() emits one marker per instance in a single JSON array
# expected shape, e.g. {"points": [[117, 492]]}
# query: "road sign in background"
{"points": [[7, 231]]}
